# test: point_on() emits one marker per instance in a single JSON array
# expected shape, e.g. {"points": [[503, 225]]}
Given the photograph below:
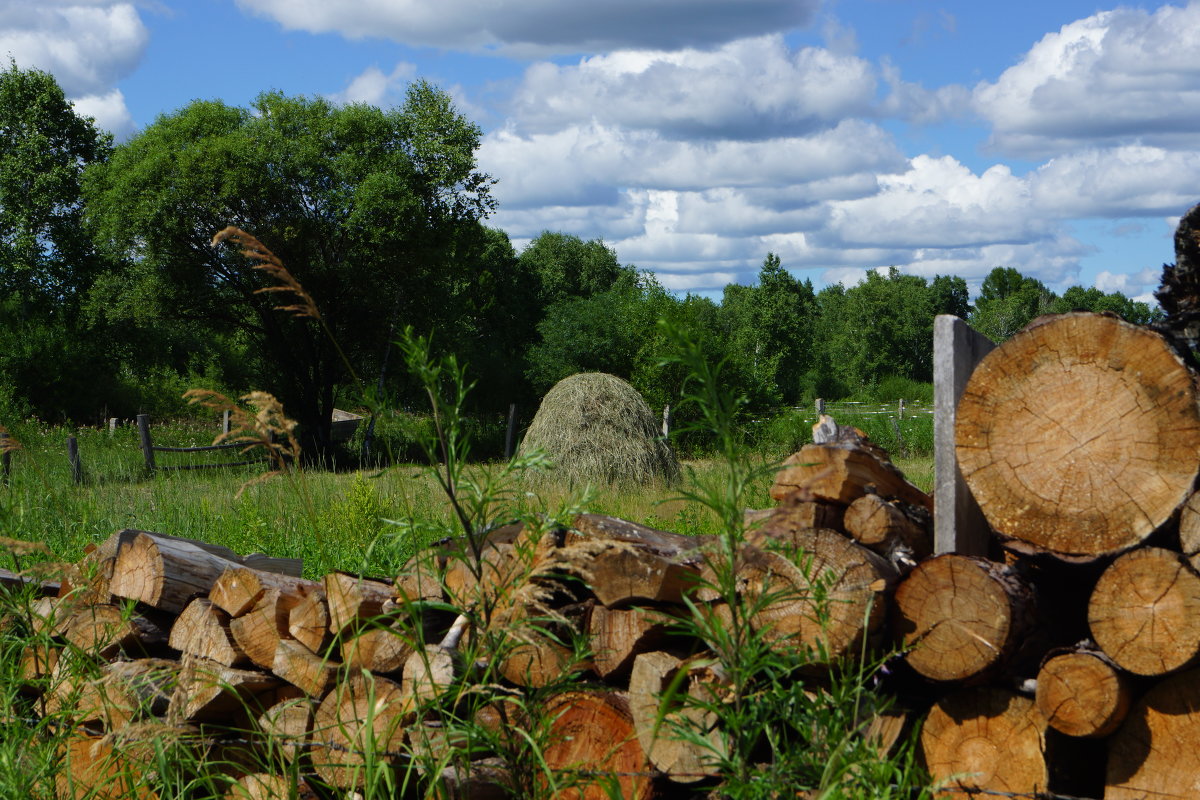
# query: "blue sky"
{"points": [[694, 136]]}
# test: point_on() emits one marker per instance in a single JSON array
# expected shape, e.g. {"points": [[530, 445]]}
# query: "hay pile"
{"points": [[597, 428]]}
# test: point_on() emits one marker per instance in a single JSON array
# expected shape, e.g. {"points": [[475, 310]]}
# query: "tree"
{"points": [[366, 208], [1077, 298], [1007, 302], [47, 262], [567, 267]]}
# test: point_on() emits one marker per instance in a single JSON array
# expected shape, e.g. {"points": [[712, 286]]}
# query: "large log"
{"points": [[962, 617], [1156, 752], [841, 472], [658, 727], [1078, 436], [361, 717], [985, 738], [1082, 693], [592, 735], [164, 572], [1145, 612]]}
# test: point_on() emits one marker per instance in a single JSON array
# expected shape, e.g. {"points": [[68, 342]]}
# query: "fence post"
{"points": [[958, 523], [666, 424], [901, 409], [143, 423], [73, 457], [5, 455], [225, 422], [112, 425], [510, 436], [820, 406]]}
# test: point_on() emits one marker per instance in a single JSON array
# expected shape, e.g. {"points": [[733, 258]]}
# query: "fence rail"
{"points": [[149, 449]]}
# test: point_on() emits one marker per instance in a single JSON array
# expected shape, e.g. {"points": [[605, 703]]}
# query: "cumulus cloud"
{"points": [[541, 26], [1130, 181], [375, 87], [108, 110], [1130, 284], [701, 93], [1112, 78]]}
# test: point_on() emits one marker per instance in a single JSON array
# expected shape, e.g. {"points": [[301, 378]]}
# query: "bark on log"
{"points": [[985, 738], [842, 473], [1145, 612], [1156, 752], [363, 712], [962, 616], [203, 630], [683, 762], [799, 514], [593, 732], [1081, 693], [1078, 436], [164, 572], [106, 630]]}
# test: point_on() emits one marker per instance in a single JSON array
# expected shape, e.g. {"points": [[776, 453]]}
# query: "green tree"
{"points": [[568, 267], [1007, 302], [1077, 298], [366, 208]]}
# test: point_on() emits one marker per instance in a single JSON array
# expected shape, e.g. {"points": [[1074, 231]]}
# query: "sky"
{"points": [[1059, 137]]}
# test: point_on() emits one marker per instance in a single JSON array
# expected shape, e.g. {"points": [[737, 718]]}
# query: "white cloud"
{"points": [[541, 26], [1130, 284], [701, 93], [374, 87], [1115, 77], [108, 110], [1130, 181]]}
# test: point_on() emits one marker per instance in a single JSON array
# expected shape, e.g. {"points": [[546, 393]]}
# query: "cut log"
{"points": [[430, 671], [105, 630], [962, 616], [286, 725], [270, 786], [800, 514], [1189, 530], [1081, 693], [238, 589], [203, 630], [352, 599], [900, 532], [540, 653], [485, 779], [592, 733], [37, 664], [379, 648], [211, 692], [682, 761], [1078, 436], [491, 582], [164, 572], [303, 669], [92, 769], [842, 473], [129, 691], [1156, 752], [985, 739], [308, 622], [361, 714], [1145, 612], [258, 631], [619, 635]]}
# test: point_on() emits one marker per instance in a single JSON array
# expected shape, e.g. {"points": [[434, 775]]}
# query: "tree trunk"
{"points": [[593, 732], [985, 738], [962, 616], [361, 718], [1156, 752], [1145, 612], [1081, 693], [1078, 436]]}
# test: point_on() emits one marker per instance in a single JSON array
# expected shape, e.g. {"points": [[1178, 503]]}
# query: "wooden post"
{"points": [[73, 457], [958, 523], [225, 422], [666, 424], [510, 436], [143, 423], [820, 406], [5, 455], [112, 425], [901, 408]]}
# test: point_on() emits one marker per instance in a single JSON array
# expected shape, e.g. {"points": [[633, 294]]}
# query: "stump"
{"points": [[1078, 436]]}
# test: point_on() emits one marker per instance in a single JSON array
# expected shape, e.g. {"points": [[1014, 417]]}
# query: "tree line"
{"points": [[113, 299]]}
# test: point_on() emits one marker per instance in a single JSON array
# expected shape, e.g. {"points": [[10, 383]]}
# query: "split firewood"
{"points": [[988, 739], [308, 622], [962, 617], [208, 691], [352, 598], [164, 572], [93, 769], [491, 580], [592, 734], [307, 671], [1145, 612], [1156, 752], [420, 579], [540, 643], [259, 631], [430, 671], [681, 760], [286, 726], [50, 616], [618, 635], [128, 691], [105, 630], [1078, 436], [1081, 692], [239, 588], [900, 532], [841, 472], [362, 713], [37, 664], [270, 786], [203, 630], [381, 647]]}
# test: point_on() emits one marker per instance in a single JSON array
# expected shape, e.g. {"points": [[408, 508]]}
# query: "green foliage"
{"points": [[564, 266]]}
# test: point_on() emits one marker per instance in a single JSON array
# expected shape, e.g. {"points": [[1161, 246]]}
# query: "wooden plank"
{"points": [[958, 523]]}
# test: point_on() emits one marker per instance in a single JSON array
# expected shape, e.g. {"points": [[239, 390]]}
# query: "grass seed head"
{"points": [[270, 263]]}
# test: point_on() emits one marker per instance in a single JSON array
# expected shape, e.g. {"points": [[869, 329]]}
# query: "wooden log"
{"points": [[1189, 530], [37, 665], [799, 514], [128, 691], [93, 769], [105, 630], [380, 648], [308, 622], [618, 636], [592, 735], [1081, 692], [1156, 752], [352, 598], [962, 616], [203, 630], [430, 671], [238, 589], [270, 786], [841, 473], [900, 532], [286, 726], [658, 729], [258, 632], [208, 691], [362, 714], [1145, 612], [1078, 436], [303, 669], [541, 651], [110, 547], [489, 583], [163, 572], [985, 738]]}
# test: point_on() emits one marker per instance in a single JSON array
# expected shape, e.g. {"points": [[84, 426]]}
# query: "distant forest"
{"points": [[113, 299]]}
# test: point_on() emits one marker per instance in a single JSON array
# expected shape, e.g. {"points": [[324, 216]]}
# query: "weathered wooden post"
{"points": [[112, 425], [666, 421], [73, 457], [820, 406], [958, 523], [143, 423], [225, 422], [5, 455], [510, 435]]}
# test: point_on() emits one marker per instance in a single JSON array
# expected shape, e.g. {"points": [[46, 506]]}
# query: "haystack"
{"points": [[597, 428]]}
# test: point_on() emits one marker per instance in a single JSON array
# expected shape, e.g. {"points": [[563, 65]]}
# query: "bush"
{"points": [[895, 388]]}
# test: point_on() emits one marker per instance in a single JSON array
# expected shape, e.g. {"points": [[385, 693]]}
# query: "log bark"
{"points": [[1078, 436], [363, 712], [1156, 752], [238, 589], [841, 473], [105, 630], [683, 762], [962, 616], [164, 572], [203, 630], [593, 732], [1145, 612], [985, 738], [799, 514], [1081, 692]]}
